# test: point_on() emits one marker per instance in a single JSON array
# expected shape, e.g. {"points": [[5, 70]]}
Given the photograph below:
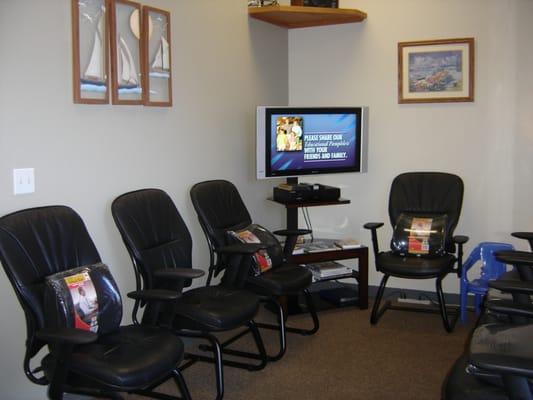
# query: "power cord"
{"points": [[308, 224]]}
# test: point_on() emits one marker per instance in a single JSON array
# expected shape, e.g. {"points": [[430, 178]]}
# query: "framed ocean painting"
{"points": [[90, 38], [436, 71], [157, 62], [125, 34]]}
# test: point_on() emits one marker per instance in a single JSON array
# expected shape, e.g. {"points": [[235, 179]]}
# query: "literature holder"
{"points": [[359, 253]]}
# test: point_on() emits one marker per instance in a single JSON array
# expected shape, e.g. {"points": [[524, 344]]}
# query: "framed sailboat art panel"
{"points": [[156, 58], [125, 32], [90, 49]]}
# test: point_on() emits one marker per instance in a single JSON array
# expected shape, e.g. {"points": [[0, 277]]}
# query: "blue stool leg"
{"points": [[478, 303], [464, 298]]}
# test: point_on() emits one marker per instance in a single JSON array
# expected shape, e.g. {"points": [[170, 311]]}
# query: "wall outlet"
{"points": [[23, 181]]}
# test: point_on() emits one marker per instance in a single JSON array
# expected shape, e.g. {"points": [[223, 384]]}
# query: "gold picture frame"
{"points": [[126, 64], [157, 57], [436, 71], [90, 49]]}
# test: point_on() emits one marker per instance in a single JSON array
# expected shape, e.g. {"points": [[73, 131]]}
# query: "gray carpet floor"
{"points": [[406, 356]]}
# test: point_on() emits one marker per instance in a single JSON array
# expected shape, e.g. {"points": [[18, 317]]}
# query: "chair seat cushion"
{"points": [[282, 280], [414, 267], [133, 357], [215, 308]]}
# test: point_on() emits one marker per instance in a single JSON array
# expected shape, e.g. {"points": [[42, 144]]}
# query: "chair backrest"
{"points": [[220, 209], [34, 244], [428, 193], [153, 231]]}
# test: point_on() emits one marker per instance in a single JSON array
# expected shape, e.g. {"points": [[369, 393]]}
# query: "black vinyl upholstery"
{"points": [[220, 209], [159, 244], [36, 243], [498, 363], [426, 194], [157, 239]]}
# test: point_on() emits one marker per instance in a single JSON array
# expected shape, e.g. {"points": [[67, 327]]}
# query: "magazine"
{"points": [[261, 257], [328, 269], [85, 301], [320, 245], [347, 244]]}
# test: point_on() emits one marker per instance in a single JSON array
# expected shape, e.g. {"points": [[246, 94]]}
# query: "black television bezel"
{"points": [[269, 111]]}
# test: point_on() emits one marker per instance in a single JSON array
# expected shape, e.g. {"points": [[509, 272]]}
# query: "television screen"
{"points": [[293, 141]]}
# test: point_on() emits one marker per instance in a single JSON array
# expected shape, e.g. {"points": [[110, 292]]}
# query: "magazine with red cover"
{"points": [[261, 257], [85, 301]]}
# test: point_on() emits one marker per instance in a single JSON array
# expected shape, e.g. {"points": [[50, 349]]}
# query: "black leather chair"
{"points": [[160, 247], [220, 210], [428, 194], [39, 242], [498, 364]]}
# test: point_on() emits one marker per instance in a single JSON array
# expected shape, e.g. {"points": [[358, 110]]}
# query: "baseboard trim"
{"points": [[392, 293]]}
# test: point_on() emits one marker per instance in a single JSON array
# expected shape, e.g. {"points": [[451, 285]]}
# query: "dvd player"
{"points": [[287, 193]]}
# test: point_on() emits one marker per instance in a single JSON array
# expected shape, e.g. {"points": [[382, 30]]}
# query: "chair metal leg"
{"points": [[448, 325], [261, 355], [376, 311], [217, 358], [182, 386], [280, 327]]}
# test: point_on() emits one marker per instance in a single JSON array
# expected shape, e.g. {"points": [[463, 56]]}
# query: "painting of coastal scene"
{"points": [[436, 71]]}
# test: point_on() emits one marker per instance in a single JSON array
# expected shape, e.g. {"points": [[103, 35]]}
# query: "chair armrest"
{"points": [[292, 232], [512, 286], [510, 308], [291, 239], [179, 273], [154, 295], [460, 239], [241, 248], [523, 235], [373, 225], [66, 336], [515, 257]]}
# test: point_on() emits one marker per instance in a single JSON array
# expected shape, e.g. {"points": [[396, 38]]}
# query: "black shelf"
{"points": [[311, 203]]}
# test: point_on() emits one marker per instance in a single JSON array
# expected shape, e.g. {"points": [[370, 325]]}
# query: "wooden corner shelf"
{"points": [[303, 17]]}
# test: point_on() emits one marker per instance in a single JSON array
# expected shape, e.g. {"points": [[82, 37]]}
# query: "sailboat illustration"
{"points": [[128, 78], [161, 65], [95, 73]]}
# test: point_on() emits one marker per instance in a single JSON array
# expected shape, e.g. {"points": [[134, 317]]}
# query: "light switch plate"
{"points": [[23, 180]]}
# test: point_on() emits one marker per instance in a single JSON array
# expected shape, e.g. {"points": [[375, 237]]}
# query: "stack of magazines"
{"points": [[328, 269], [321, 245]]}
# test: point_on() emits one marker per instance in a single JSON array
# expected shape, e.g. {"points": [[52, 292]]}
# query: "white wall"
{"points": [[84, 156], [488, 142], [225, 65]]}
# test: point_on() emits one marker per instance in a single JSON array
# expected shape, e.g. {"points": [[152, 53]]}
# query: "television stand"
{"points": [[292, 303]]}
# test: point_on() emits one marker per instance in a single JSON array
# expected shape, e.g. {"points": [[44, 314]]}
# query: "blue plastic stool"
{"points": [[490, 269]]}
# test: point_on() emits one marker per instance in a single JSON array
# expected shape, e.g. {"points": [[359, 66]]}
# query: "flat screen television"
{"points": [[296, 141]]}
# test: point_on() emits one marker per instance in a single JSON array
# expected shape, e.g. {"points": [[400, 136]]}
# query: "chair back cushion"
{"points": [[220, 209], [263, 259], [428, 193], [154, 232], [39, 242], [85, 298], [420, 235]]}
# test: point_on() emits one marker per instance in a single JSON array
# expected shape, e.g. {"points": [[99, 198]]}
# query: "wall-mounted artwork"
{"points": [[125, 32], [90, 50], [436, 71], [157, 58]]}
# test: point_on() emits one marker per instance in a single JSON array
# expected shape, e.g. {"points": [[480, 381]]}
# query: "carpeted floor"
{"points": [[406, 356]]}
